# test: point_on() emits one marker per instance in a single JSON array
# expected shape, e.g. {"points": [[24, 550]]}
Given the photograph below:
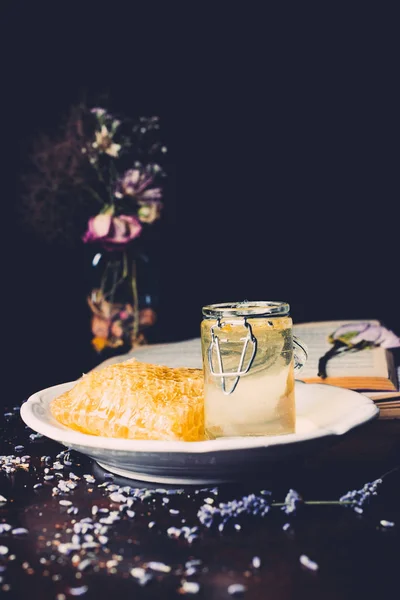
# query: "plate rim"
{"points": [[364, 411]]}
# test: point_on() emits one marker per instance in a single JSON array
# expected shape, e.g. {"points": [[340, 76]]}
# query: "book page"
{"points": [[364, 363], [174, 354]]}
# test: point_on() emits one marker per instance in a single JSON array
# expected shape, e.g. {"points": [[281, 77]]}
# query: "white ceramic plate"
{"points": [[323, 412]]}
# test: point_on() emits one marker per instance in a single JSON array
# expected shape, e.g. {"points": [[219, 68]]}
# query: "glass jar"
{"points": [[250, 357]]}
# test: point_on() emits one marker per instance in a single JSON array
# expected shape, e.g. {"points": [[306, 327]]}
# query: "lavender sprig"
{"points": [[358, 498], [225, 512]]}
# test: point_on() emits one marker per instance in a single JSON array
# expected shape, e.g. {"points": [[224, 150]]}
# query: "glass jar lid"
{"points": [[257, 309]]}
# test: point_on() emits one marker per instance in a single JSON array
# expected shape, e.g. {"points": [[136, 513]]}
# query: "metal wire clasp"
{"points": [[215, 343]]}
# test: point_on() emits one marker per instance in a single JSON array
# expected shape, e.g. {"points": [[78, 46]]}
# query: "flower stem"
{"points": [[135, 304], [94, 194], [318, 503], [324, 359]]}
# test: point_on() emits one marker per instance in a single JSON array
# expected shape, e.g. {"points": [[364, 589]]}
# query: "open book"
{"points": [[371, 369]]}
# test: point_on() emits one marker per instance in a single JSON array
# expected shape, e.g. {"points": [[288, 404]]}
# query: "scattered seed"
{"points": [[19, 531], [89, 478], [256, 562], [116, 497], [65, 502], [4, 527], [103, 539], [138, 572], [189, 587], [111, 487], [85, 564], [3, 550], [308, 563], [159, 566], [174, 532], [78, 591], [235, 589], [385, 523], [73, 510], [90, 545], [68, 548], [195, 562]]}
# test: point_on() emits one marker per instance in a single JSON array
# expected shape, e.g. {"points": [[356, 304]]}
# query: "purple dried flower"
{"points": [[225, 512], [368, 334], [137, 183], [292, 500], [378, 336], [357, 336], [358, 498]]}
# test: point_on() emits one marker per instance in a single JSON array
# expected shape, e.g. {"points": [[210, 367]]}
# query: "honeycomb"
{"points": [[135, 400]]}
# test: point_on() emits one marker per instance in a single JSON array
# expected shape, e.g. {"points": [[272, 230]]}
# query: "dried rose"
{"points": [[111, 231]]}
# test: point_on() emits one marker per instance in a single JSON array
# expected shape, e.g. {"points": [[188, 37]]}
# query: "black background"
{"points": [[283, 163]]}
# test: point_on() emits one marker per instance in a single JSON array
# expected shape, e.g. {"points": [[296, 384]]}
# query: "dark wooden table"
{"points": [[64, 536]]}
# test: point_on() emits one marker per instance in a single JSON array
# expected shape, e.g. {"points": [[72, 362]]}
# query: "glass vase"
{"points": [[118, 317]]}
